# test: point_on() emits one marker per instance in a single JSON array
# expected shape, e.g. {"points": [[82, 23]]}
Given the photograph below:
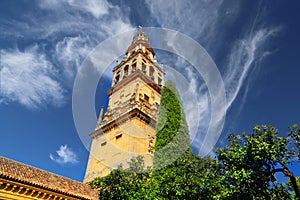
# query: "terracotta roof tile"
{"points": [[27, 174]]}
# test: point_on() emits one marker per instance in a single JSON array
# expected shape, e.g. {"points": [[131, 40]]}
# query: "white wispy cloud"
{"points": [[70, 52], [198, 19], [207, 22], [242, 57], [64, 155], [95, 7], [29, 78], [105, 20], [193, 92], [63, 36], [201, 105], [242, 60]]}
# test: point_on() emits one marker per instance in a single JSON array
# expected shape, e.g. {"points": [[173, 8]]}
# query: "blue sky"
{"points": [[43, 43]]}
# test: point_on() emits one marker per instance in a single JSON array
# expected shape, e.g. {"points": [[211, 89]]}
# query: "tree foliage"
{"points": [[290, 186], [172, 134], [251, 161], [295, 135], [131, 183], [244, 169], [178, 173]]}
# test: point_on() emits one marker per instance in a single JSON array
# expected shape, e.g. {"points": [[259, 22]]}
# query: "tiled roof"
{"points": [[20, 172]]}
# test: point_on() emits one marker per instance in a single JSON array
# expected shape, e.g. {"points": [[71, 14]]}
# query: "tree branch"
{"points": [[292, 177]]}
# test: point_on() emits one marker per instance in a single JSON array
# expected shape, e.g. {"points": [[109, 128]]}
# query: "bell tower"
{"points": [[127, 128]]}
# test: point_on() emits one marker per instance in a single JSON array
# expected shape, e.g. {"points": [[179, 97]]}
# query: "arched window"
{"points": [[133, 67], [159, 81], [117, 78], [146, 97], [151, 72], [144, 70], [126, 71]]}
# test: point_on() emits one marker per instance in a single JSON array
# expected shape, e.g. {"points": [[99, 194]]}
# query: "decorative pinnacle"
{"points": [[140, 36]]}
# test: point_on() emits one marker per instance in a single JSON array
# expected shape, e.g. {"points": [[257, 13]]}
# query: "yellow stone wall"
{"points": [[137, 136], [137, 86], [108, 151], [120, 135]]}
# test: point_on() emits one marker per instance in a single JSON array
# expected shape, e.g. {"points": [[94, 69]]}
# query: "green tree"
{"points": [[295, 135], [250, 163], [172, 134], [290, 186], [178, 172], [131, 183]]}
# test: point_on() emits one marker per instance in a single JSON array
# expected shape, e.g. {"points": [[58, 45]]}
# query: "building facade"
{"points": [[127, 128], [21, 181]]}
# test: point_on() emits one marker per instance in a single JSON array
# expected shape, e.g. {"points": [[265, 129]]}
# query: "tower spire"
{"points": [[140, 41]]}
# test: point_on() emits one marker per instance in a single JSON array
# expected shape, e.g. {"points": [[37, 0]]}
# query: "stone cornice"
{"points": [[13, 189], [134, 113]]}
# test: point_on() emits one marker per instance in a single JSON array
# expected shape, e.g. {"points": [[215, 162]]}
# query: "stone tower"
{"points": [[127, 128]]}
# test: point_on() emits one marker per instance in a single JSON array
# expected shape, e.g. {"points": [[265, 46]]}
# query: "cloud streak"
{"points": [[64, 155], [70, 52], [64, 33], [197, 19], [27, 77], [207, 22], [242, 57]]}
